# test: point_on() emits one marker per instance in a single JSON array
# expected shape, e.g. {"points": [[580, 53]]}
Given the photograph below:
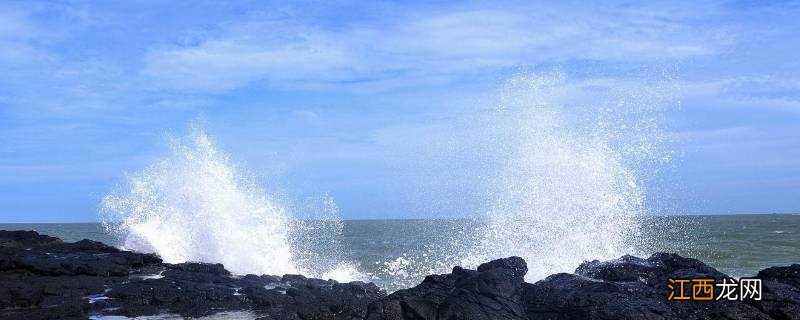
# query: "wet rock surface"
{"points": [[494, 291], [624, 288], [630, 288], [42, 277]]}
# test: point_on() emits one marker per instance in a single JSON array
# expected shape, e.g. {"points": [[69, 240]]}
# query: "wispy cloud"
{"points": [[761, 93], [456, 41], [16, 31]]}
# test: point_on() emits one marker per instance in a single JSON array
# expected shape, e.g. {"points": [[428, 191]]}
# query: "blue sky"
{"points": [[344, 97]]}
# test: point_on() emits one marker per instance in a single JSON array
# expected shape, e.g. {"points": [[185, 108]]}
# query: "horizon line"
{"points": [[468, 217]]}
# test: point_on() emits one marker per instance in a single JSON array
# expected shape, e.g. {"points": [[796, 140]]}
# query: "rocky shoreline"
{"points": [[42, 277]]}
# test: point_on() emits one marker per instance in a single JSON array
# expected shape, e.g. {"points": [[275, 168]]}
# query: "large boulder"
{"points": [[781, 297], [493, 291]]}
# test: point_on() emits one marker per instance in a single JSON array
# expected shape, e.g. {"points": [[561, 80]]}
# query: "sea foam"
{"points": [[194, 205], [566, 185], [562, 166]]}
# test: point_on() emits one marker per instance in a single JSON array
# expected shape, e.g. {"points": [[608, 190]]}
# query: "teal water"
{"points": [[739, 245]]}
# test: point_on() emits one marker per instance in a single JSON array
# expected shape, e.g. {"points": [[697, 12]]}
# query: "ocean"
{"points": [[399, 253]]}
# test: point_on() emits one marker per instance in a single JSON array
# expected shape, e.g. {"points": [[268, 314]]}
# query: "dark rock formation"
{"points": [[629, 288], [43, 278], [781, 298], [25, 239], [192, 289], [494, 291], [625, 288]]}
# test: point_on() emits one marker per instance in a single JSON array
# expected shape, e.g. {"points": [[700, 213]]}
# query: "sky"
{"points": [[356, 100]]}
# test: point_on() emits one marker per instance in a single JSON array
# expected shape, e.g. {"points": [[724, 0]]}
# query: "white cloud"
{"points": [[779, 93], [713, 133], [226, 64], [309, 117], [425, 45], [16, 31]]}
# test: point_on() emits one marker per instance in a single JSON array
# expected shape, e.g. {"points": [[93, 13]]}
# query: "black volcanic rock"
{"points": [[629, 288], [44, 278], [84, 257], [781, 298], [197, 289], [25, 239], [789, 275], [624, 288], [494, 291]]}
